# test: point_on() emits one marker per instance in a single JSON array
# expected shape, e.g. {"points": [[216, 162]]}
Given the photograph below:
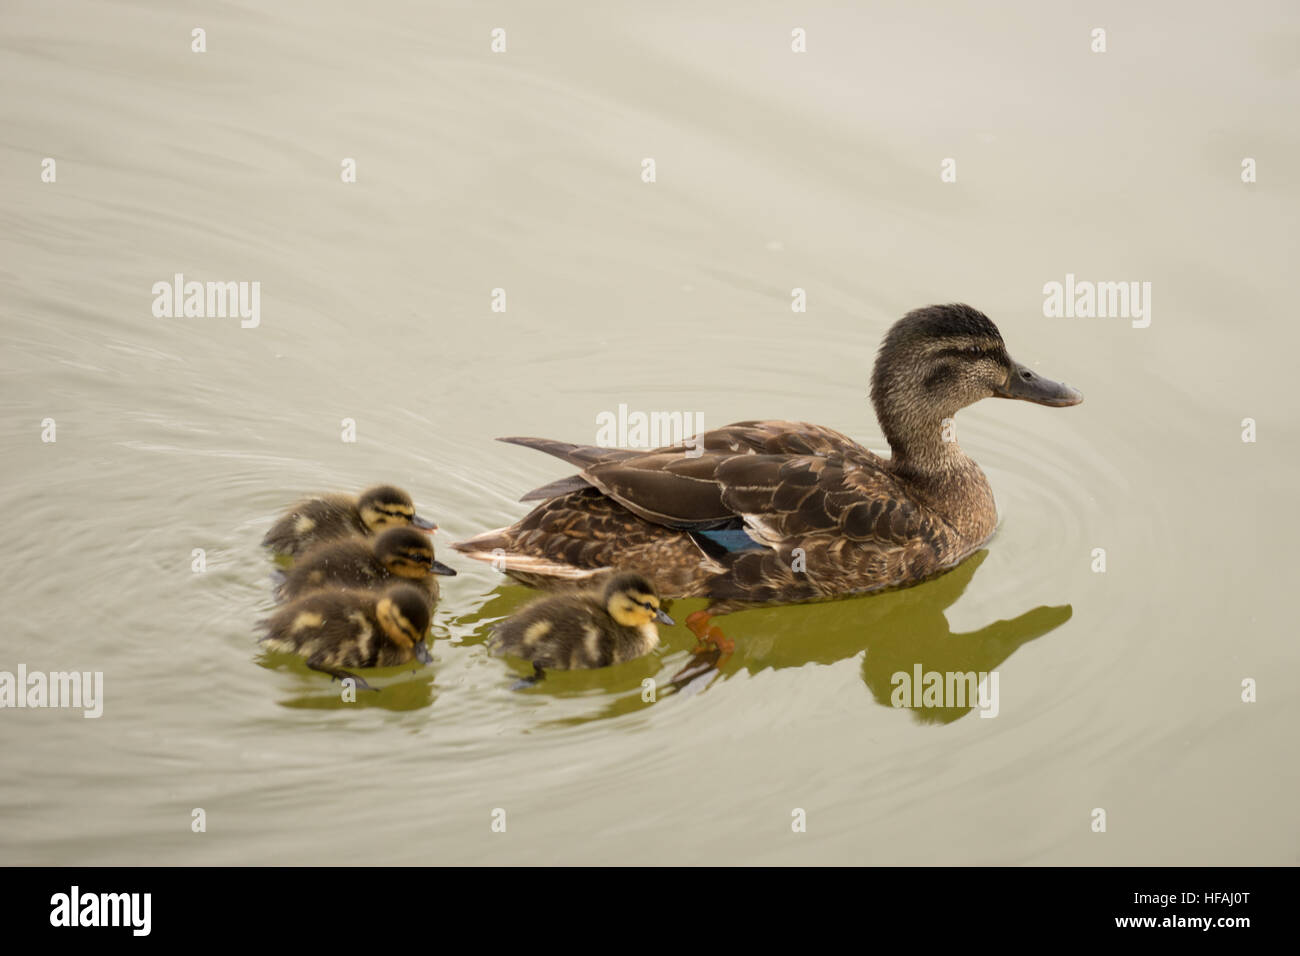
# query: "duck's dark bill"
{"points": [[424, 524], [422, 653], [663, 618], [440, 568], [1029, 386]]}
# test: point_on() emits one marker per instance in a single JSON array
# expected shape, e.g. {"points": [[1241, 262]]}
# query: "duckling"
{"points": [[398, 555], [594, 627], [352, 628], [324, 517]]}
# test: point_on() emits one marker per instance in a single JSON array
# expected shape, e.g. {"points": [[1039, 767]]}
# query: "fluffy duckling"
{"points": [[399, 555], [596, 627], [324, 517], [350, 628]]}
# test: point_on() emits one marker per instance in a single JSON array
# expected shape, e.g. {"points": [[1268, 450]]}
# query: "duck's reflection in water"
{"points": [[902, 632], [913, 637]]}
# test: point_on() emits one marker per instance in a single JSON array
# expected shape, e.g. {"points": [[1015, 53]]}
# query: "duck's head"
{"points": [[632, 601], [408, 554], [384, 506], [403, 613], [939, 359]]}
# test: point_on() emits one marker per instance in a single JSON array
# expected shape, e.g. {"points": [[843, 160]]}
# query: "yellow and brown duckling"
{"points": [[594, 627], [353, 628], [326, 517], [398, 555]]}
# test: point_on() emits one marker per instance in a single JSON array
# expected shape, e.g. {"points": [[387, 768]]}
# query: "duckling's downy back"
{"points": [[326, 517], [399, 555]]}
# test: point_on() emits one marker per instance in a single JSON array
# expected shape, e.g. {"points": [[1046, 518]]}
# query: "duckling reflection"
{"points": [[416, 692]]}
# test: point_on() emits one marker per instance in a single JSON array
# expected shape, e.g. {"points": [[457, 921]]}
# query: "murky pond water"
{"points": [[522, 171]]}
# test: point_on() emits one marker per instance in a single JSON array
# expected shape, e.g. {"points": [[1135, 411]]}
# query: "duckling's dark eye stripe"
{"points": [[404, 626]]}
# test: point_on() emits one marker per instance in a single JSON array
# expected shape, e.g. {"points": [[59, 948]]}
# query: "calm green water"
{"points": [[1119, 690]]}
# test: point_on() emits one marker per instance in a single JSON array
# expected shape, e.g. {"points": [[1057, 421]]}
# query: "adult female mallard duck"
{"points": [[350, 628], [325, 517], [398, 555], [765, 512], [607, 624]]}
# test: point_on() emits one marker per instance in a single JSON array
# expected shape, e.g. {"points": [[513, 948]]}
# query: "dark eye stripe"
{"points": [[941, 375]]}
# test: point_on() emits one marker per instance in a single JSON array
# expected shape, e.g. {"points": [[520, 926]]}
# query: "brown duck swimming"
{"points": [[396, 555], [783, 512], [325, 517]]}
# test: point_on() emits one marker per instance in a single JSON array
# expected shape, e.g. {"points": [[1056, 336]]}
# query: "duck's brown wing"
{"points": [[832, 526], [679, 486], [783, 497], [780, 438], [820, 514]]}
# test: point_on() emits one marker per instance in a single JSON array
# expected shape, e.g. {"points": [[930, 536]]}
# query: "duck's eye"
{"points": [[974, 349]]}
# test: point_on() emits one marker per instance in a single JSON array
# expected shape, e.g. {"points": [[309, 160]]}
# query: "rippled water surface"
{"points": [[1118, 690]]}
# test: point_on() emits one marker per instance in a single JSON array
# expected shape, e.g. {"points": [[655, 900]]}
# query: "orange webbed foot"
{"points": [[711, 653], [698, 622]]}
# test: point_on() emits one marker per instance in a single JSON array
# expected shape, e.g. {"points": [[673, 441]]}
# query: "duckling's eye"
{"points": [[974, 349]]}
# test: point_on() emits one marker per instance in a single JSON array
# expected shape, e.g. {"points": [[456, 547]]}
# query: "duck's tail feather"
{"points": [[580, 455], [494, 548], [484, 543], [557, 488]]}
